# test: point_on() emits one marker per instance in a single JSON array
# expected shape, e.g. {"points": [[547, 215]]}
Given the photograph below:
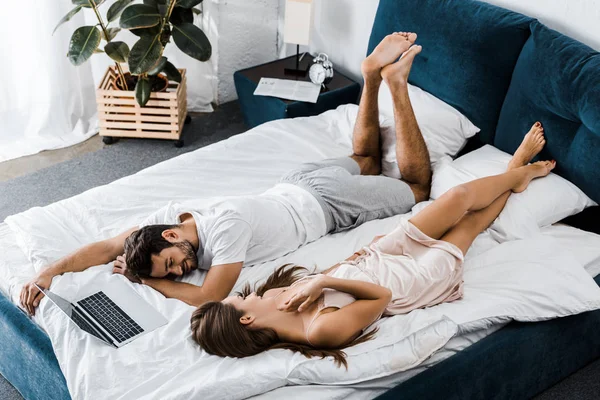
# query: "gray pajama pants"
{"points": [[349, 199]]}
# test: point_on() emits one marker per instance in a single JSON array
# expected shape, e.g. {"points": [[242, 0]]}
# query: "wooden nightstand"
{"points": [[260, 109]]}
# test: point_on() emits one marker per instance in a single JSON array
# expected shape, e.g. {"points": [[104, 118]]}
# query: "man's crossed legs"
{"points": [[351, 190], [411, 152]]}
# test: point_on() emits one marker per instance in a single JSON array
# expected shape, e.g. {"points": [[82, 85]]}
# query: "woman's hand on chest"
{"points": [[303, 294]]}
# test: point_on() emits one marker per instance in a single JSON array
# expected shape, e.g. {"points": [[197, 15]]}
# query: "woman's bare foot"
{"points": [[532, 144], [386, 52], [397, 73], [532, 171]]}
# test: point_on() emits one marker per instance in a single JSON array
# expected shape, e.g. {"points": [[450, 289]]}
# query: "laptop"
{"points": [[113, 313]]}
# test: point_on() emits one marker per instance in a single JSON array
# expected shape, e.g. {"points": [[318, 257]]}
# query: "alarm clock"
{"points": [[321, 70]]}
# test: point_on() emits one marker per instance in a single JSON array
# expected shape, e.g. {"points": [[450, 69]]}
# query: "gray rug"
{"points": [[7, 391], [582, 385], [128, 156], [123, 158]]}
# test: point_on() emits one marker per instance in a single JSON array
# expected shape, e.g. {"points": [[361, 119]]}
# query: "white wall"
{"points": [[579, 19], [242, 33], [341, 30], [250, 32], [342, 27], [247, 33]]}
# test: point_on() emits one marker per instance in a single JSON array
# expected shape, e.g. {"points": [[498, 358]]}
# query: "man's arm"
{"points": [[97, 253], [219, 282]]}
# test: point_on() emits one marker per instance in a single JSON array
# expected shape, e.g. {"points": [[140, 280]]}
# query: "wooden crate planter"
{"points": [[119, 114]]}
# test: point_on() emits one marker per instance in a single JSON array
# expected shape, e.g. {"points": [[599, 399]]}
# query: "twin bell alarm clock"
{"points": [[321, 70]]}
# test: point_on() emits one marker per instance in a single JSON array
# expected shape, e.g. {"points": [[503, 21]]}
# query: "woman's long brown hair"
{"points": [[217, 329]]}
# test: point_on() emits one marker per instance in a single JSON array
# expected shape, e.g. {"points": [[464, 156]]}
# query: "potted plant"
{"points": [[147, 98]]}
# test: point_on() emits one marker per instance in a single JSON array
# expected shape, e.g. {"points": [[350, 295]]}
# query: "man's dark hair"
{"points": [[141, 245]]}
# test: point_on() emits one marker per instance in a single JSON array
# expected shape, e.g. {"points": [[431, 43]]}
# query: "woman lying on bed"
{"points": [[417, 265]]}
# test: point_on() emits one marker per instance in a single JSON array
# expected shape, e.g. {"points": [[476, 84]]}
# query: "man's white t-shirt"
{"points": [[251, 229]]}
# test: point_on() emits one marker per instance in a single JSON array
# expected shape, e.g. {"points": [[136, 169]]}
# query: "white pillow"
{"points": [[546, 201], [444, 129]]}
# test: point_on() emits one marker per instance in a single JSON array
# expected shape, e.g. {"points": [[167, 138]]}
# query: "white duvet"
{"points": [[527, 280]]}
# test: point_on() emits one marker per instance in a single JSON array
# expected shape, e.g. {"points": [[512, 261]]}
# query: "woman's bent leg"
{"points": [[464, 232], [437, 218], [483, 199]]}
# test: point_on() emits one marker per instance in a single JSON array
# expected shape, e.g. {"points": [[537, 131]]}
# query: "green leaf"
{"points": [[143, 89], [139, 16], [83, 43], [172, 72], [152, 31], [86, 3], [192, 41], [112, 32], [197, 11], [144, 54], [98, 51], [118, 51], [181, 15], [188, 3], [67, 17], [158, 67], [116, 9], [155, 3], [163, 9]]}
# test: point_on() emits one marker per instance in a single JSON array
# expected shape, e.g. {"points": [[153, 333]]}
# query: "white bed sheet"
{"points": [[107, 212], [16, 269], [584, 246]]}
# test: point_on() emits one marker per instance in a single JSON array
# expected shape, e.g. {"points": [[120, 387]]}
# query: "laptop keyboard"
{"points": [[110, 316], [82, 323]]}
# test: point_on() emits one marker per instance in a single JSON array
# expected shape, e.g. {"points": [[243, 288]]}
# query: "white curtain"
{"points": [[45, 101]]}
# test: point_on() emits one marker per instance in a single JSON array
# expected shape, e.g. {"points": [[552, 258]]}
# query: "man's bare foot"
{"points": [[532, 171], [386, 52], [397, 73], [532, 144]]}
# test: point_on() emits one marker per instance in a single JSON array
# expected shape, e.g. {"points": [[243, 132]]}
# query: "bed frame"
{"points": [[27, 359], [470, 53], [468, 46], [519, 361]]}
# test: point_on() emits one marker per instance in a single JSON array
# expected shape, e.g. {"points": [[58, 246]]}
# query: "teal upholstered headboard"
{"points": [[557, 81], [504, 71], [469, 52]]}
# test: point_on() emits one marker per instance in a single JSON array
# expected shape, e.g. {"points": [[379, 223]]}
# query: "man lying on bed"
{"points": [[309, 202]]}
